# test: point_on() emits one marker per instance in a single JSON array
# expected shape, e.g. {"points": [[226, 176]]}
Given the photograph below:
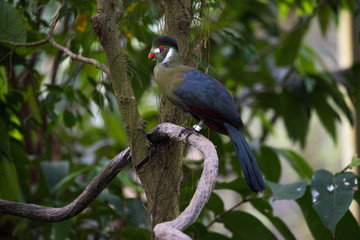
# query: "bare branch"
{"points": [[221, 215], [27, 44], [72, 55], [173, 229], [166, 230], [50, 214], [67, 51]]}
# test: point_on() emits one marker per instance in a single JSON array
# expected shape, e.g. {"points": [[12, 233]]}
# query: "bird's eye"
{"points": [[161, 48]]}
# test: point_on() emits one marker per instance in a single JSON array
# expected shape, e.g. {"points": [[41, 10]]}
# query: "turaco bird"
{"points": [[206, 99]]}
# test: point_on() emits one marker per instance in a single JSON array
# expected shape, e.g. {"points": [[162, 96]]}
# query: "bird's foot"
{"points": [[194, 130], [187, 131]]}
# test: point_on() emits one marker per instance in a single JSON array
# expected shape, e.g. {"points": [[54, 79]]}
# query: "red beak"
{"points": [[151, 55]]}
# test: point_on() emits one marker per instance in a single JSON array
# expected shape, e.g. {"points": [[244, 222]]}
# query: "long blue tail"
{"points": [[246, 158]]}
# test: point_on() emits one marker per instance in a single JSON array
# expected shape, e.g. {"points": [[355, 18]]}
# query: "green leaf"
{"points": [[12, 28], [269, 163], [317, 229], [115, 201], [265, 208], [62, 229], [297, 163], [326, 113], [70, 177], [347, 228], [132, 233], [332, 196], [324, 17], [237, 185], [355, 161], [215, 204], [69, 119], [287, 191], [245, 226], [4, 138], [9, 185], [53, 172], [287, 51], [213, 236], [138, 217]]}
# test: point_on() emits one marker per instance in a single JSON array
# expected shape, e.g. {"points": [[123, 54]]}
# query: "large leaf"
{"points": [[237, 185], [297, 163], [265, 208], [54, 172], [317, 229], [12, 27], [62, 229], [245, 226], [9, 185], [347, 228], [288, 50], [69, 119], [269, 163], [332, 195], [215, 204], [287, 191]]}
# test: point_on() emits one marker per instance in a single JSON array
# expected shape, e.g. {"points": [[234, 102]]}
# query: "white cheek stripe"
{"points": [[157, 50], [168, 55]]}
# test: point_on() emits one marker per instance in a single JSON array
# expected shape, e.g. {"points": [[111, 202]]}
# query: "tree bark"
{"points": [[166, 166], [161, 176], [106, 25]]}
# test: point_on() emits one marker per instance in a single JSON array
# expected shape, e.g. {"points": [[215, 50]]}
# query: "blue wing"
{"points": [[206, 98]]}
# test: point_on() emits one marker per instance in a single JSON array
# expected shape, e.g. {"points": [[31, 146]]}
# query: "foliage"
{"points": [[59, 124]]}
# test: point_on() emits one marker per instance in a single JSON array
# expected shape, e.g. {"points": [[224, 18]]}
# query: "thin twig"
{"points": [[218, 217], [27, 44], [67, 51], [72, 55]]}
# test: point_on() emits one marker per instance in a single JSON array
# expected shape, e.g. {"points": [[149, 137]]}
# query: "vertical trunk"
{"points": [[106, 26], [166, 165], [161, 176]]}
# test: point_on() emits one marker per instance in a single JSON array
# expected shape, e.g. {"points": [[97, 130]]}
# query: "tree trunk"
{"points": [[161, 176], [166, 166]]}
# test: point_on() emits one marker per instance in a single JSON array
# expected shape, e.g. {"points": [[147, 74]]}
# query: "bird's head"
{"points": [[164, 49]]}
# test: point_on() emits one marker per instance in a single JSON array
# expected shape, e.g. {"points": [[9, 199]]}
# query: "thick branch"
{"points": [[50, 214], [173, 229]]}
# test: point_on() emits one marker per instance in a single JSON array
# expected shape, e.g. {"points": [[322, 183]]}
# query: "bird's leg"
{"points": [[198, 127]]}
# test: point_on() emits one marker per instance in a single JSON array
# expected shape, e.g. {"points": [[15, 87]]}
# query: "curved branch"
{"points": [[50, 214], [173, 229]]}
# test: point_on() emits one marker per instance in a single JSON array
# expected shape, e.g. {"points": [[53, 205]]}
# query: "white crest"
{"points": [[168, 56]]}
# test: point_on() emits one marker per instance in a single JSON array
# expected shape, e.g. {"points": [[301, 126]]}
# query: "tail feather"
{"points": [[246, 158]]}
